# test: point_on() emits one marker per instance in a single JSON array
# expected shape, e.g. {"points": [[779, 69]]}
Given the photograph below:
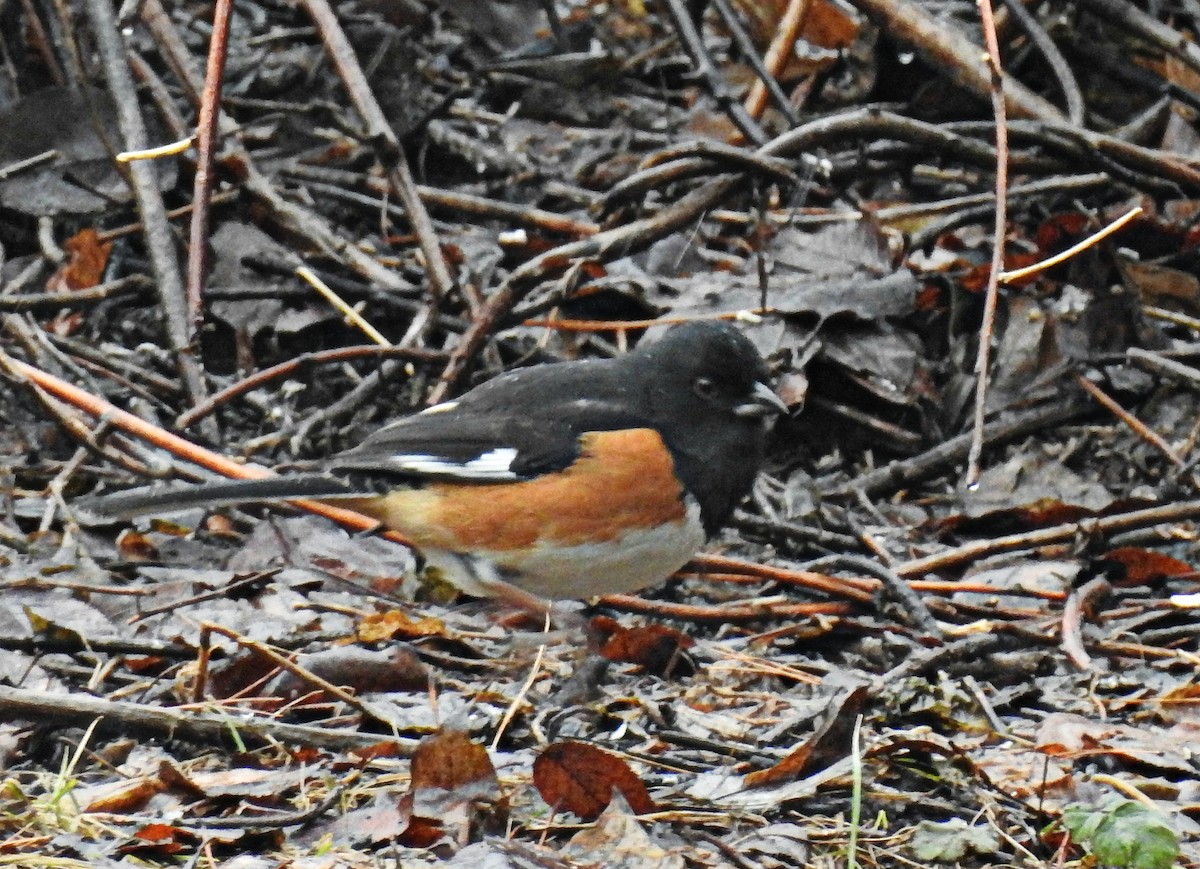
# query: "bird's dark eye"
{"points": [[705, 387]]}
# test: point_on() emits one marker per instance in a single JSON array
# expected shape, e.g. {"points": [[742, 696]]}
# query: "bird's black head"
{"points": [[712, 403]]}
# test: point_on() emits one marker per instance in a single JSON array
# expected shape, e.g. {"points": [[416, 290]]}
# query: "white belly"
{"points": [[637, 560]]}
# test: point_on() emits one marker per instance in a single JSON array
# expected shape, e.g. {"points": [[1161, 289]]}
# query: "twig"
{"points": [[1073, 250], [298, 364], [904, 473], [42, 302], [1136, 425], [185, 449], [787, 31], [1054, 59], [951, 51], [620, 241], [1133, 19], [1080, 600], [124, 719], [982, 363], [910, 603], [285, 214], [156, 231], [1180, 511], [390, 150], [207, 137], [766, 77], [352, 316], [693, 44], [745, 611], [264, 651]]}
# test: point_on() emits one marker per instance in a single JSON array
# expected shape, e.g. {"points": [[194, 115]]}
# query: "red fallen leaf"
{"points": [[156, 833], [929, 298], [554, 263], [126, 796], [605, 625], [144, 663], [1061, 231], [580, 778], [304, 754], [1144, 566], [655, 647], [1041, 513], [1191, 238], [233, 674], [975, 279], [1018, 260], [87, 257], [421, 833]]}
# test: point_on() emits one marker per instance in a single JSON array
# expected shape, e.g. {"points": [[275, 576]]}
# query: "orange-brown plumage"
{"points": [[622, 481]]}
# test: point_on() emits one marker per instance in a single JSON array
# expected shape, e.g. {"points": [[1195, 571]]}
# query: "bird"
{"points": [[566, 480]]}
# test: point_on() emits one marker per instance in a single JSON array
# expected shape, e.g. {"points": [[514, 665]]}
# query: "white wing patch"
{"points": [[493, 465]]}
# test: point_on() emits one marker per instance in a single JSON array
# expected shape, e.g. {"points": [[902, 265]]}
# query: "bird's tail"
{"points": [[219, 493]]}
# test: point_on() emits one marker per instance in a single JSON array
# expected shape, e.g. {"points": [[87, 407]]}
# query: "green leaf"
{"points": [[1124, 834]]}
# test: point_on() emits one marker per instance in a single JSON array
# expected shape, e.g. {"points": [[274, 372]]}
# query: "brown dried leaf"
{"points": [[395, 625], [580, 779], [86, 260], [829, 743], [363, 670], [158, 840], [655, 647], [1144, 566], [135, 546], [617, 838], [124, 796], [447, 769], [385, 818]]}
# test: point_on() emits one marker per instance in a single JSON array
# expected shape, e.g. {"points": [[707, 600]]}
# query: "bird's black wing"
{"points": [[492, 446]]}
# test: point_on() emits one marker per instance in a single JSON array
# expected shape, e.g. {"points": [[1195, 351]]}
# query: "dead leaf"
{"points": [[1137, 566], [448, 768], [656, 647], [828, 744], [618, 839], [393, 669], [580, 778], [87, 257], [395, 624]]}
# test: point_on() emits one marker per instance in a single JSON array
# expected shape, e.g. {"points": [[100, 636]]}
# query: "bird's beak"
{"points": [[763, 403]]}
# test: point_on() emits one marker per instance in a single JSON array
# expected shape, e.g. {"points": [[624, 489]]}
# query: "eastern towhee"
{"points": [[565, 480]]}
